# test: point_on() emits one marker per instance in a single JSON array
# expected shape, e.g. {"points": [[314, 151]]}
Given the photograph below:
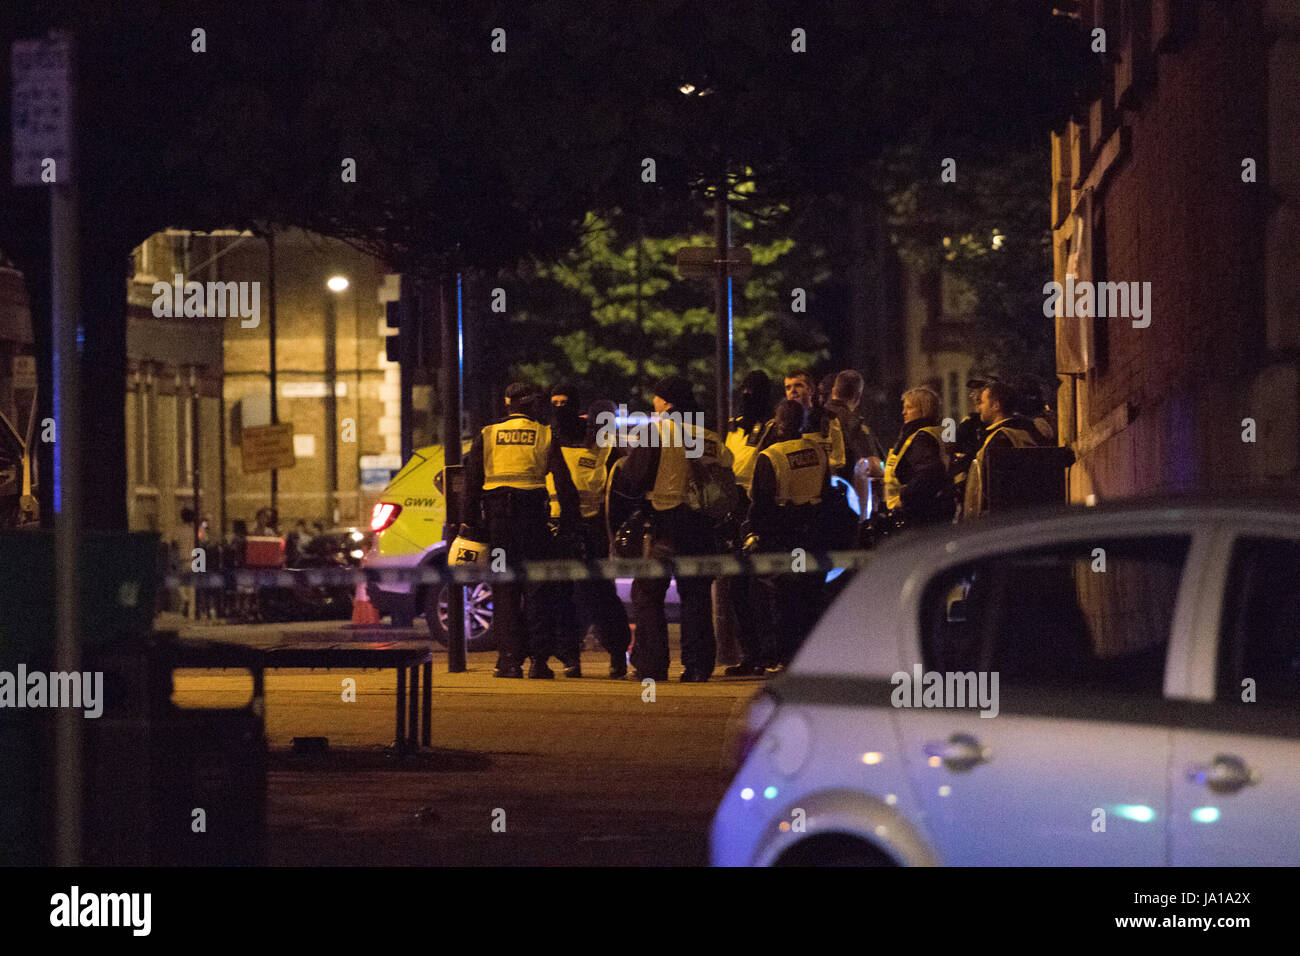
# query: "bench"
{"points": [[414, 724]]}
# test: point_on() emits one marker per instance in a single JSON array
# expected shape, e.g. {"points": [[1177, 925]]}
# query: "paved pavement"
{"points": [[570, 771]]}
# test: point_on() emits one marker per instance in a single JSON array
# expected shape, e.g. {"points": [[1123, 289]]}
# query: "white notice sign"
{"points": [[42, 99]]}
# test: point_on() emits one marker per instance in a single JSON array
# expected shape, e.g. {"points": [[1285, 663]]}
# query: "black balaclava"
{"points": [[567, 418], [755, 399]]}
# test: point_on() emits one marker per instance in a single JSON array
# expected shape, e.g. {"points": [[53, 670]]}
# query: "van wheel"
{"points": [[478, 611]]}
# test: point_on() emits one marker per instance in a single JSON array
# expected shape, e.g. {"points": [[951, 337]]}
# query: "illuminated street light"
{"points": [[337, 283]]}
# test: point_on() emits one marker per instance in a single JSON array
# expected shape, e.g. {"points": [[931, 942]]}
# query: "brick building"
{"points": [[1184, 174]]}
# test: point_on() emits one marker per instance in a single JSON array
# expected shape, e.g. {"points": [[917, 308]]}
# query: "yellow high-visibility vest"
{"points": [[588, 466], [744, 454], [832, 443], [515, 454], [974, 504], [801, 468], [893, 487], [671, 479]]}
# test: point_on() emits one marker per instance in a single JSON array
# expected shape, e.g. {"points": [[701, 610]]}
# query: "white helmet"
{"points": [[465, 550]]}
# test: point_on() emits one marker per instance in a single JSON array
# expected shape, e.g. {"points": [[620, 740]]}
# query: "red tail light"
{"points": [[383, 515]]}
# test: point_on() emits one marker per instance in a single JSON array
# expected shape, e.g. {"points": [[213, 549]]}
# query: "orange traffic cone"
{"points": [[363, 612]]}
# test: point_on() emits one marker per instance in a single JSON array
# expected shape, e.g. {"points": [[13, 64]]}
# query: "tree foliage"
{"points": [[990, 230], [614, 316]]}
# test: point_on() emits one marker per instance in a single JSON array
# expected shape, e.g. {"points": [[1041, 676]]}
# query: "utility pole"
{"points": [[45, 154], [406, 345], [270, 291], [194, 446], [331, 408], [450, 380], [722, 283]]}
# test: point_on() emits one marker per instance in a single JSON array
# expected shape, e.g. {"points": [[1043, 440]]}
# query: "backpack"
{"points": [[712, 491]]}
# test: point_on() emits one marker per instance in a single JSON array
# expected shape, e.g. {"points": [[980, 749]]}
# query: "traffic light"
{"points": [[393, 318], [417, 342]]}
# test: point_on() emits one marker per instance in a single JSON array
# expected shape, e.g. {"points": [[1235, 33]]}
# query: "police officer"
{"points": [[506, 486], [742, 600], [1034, 409], [859, 443], [918, 490], [661, 471], [1002, 428], [748, 433], [819, 425], [589, 463], [791, 479], [968, 440]]}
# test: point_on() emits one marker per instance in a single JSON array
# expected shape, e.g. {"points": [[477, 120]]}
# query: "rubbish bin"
{"points": [[208, 793], [118, 581], [147, 764]]}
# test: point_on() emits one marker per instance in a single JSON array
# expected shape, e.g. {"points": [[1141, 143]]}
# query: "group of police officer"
{"points": [[545, 483]]}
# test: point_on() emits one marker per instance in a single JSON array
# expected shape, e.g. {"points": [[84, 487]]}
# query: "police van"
{"points": [[407, 523]]}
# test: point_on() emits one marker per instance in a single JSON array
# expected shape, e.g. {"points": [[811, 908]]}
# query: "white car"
{"points": [[1146, 709]]}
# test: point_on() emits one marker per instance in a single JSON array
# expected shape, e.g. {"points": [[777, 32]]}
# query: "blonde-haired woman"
{"points": [[917, 487]]}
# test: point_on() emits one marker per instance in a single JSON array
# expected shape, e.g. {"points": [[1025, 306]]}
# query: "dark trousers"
{"points": [[523, 615], [795, 599], [752, 603], [797, 602], [677, 531], [579, 605]]}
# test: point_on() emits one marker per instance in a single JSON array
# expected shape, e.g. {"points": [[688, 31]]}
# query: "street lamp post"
{"points": [[336, 285], [723, 345]]}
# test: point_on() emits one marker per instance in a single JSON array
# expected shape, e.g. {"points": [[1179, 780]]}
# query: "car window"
{"points": [[1084, 615], [1260, 629]]}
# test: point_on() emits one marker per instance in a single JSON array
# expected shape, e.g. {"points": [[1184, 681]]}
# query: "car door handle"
{"points": [[1225, 774], [959, 752]]}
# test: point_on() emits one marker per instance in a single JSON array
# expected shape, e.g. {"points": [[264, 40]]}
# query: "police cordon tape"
{"points": [[686, 566]]}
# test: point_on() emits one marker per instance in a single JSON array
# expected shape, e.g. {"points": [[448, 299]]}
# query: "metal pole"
{"points": [[195, 445], [450, 381], [406, 361], [356, 402], [722, 345], [331, 408], [270, 314], [65, 255]]}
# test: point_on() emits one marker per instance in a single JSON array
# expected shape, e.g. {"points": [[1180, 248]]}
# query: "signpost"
{"points": [[708, 262], [43, 149], [268, 447], [701, 262], [42, 107]]}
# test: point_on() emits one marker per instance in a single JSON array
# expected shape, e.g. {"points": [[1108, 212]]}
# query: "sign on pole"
{"points": [[42, 98], [701, 262], [24, 371], [268, 447]]}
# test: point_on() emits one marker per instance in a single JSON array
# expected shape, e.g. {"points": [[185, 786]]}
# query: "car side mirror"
{"points": [[957, 612], [438, 481]]}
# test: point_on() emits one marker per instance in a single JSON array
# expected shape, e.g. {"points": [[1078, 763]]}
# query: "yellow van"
{"points": [[407, 522]]}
